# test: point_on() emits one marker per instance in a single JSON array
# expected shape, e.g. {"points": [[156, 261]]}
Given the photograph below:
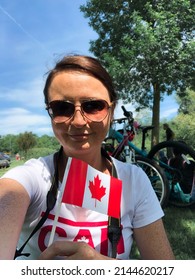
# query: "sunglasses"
{"points": [[94, 110]]}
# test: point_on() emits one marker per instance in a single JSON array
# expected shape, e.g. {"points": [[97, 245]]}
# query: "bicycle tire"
{"points": [[186, 150], [157, 178]]}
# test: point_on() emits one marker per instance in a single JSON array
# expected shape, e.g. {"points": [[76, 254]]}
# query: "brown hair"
{"points": [[85, 64]]}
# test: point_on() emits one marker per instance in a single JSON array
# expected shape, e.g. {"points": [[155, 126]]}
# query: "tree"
{"points": [[8, 144], [185, 127], [147, 46], [184, 122], [26, 141], [46, 141], [187, 103]]}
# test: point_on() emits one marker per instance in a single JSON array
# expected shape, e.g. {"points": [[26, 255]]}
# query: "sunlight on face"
{"points": [[79, 135]]}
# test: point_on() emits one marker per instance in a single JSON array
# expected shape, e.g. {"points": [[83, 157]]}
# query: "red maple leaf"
{"points": [[97, 191]]}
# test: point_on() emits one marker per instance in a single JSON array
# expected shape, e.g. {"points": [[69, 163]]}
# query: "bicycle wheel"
{"points": [[179, 170], [157, 178]]}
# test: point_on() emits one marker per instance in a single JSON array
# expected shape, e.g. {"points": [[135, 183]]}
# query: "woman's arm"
{"points": [[152, 242], [14, 202]]}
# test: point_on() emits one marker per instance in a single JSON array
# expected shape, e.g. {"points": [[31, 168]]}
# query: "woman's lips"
{"points": [[79, 137]]}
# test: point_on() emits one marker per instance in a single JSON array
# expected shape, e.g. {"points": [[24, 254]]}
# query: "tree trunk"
{"points": [[156, 115]]}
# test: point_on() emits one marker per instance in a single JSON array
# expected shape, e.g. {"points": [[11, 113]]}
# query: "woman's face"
{"points": [[79, 136]]}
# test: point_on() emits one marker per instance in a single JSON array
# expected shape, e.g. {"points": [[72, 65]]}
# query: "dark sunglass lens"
{"points": [[92, 107], [62, 108]]}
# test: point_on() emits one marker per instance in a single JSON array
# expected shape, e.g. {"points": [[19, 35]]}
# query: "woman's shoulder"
{"points": [[32, 173], [125, 167], [132, 175]]}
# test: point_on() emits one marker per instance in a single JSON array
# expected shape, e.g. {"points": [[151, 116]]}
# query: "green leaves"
{"points": [[144, 42], [147, 46], [26, 141]]}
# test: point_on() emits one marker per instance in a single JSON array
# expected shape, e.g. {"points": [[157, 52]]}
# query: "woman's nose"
{"points": [[78, 119]]}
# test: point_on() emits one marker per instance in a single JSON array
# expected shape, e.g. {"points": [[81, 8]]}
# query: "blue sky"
{"points": [[34, 34]]}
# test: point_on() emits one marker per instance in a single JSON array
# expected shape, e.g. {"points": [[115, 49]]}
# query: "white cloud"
{"points": [[19, 120], [23, 109], [29, 94], [168, 107], [168, 113]]}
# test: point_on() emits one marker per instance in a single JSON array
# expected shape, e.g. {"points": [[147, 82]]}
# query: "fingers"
{"points": [[58, 248], [68, 250]]}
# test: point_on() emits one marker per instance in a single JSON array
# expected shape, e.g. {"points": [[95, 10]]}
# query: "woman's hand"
{"points": [[71, 251]]}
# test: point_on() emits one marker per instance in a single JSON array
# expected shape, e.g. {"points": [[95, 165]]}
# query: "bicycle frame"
{"points": [[132, 154], [123, 140]]}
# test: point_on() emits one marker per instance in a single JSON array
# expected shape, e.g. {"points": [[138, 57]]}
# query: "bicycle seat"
{"points": [[146, 128]]}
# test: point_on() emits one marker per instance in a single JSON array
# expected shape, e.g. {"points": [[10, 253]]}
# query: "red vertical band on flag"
{"points": [[114, 201], [75, 183]]}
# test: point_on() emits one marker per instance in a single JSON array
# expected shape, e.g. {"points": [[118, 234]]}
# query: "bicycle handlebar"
{"points": [[128, 117], [126, 113]]}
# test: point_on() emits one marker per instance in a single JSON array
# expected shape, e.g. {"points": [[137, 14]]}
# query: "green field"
{"points": [[179, 224]]}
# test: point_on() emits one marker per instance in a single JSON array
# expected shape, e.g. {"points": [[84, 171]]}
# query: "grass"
{"points": [[180, 227], [179, 224]]}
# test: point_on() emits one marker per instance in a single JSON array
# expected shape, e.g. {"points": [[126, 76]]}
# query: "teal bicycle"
{"points": [[165, 179]]}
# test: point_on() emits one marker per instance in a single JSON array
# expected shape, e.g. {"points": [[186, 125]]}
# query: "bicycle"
{"points": [[166, 182], [180, 171], [119, 145]]}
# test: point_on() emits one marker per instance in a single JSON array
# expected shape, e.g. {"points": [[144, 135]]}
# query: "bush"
{"points": [[39, 152]]}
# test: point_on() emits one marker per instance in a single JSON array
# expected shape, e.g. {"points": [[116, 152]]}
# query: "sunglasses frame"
{"points": [[83, 113]]}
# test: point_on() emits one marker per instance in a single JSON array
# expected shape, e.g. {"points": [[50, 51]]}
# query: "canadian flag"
{"points": [[89, 188]]}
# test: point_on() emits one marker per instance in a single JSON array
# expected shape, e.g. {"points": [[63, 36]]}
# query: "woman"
{"points": [[80, 100], [170, 135]]}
